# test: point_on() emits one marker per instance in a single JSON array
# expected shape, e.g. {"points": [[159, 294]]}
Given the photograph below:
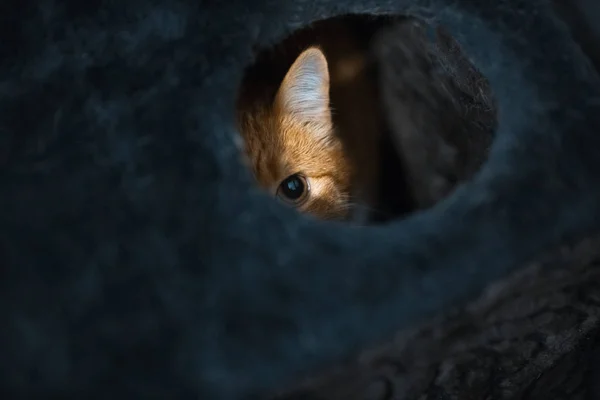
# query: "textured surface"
{"points": [[528, 337], [440, 109], [138, 261]]}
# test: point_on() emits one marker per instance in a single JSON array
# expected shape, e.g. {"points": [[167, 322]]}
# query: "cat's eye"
{"points": [[294, 189]]}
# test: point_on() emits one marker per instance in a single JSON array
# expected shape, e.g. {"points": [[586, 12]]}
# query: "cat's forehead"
{"points": [[303, 145], [278, 145], [280, 153]]}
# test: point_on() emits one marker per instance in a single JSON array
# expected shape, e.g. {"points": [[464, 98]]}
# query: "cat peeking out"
{"points": [[312, 142], [365, 121], [291, 143]]}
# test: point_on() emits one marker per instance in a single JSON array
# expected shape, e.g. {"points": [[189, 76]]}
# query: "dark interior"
{"points": [[464, 119]]}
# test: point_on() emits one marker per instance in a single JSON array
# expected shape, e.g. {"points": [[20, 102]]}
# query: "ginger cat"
{"points": [[313, 144]]}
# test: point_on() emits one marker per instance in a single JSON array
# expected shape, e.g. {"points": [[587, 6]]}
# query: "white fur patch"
{"points": [[304, 91]]}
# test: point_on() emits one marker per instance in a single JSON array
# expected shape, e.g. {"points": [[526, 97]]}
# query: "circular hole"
{"points": [[381, 116]]}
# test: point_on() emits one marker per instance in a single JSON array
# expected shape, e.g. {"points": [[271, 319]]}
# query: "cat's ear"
{"points": [[304, 92]]}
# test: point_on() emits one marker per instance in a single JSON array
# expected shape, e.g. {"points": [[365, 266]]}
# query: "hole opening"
{"points": [[382, 115]]}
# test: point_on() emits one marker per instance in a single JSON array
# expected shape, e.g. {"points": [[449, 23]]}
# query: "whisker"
{"points": [[367, 211]]}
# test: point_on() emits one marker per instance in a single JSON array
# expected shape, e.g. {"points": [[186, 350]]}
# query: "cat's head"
{"points": [[291, 144]]}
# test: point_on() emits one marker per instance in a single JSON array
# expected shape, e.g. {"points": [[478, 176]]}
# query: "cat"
{"points": [[314, 143]]}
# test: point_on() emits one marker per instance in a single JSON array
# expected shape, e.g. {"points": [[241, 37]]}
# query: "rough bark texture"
{"points": [[533, 336]]}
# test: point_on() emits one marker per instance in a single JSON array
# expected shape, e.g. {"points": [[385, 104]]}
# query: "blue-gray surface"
{"points": [[138, 261]]}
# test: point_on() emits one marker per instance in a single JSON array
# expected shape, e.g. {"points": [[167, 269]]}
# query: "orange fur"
{"points": [[297, 131]]}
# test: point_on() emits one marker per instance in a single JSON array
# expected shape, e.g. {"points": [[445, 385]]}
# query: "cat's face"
{"points": [[291, 146]]}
